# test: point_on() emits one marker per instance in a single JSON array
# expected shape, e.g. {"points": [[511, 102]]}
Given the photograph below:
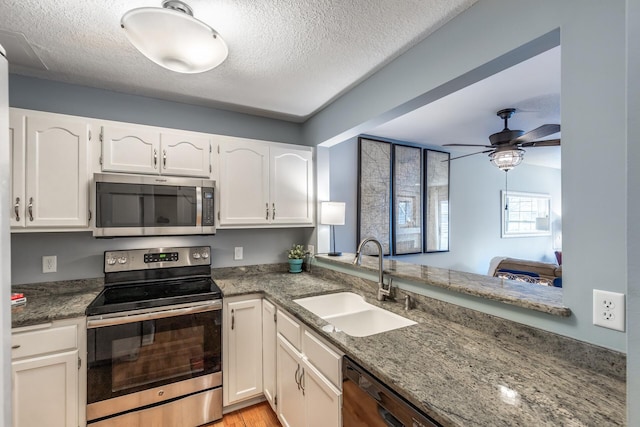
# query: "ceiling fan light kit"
{"points": [[505, 151], [172, 38], [507, 159]]}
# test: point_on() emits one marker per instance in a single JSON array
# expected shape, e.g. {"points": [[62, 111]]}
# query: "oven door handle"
{"points": [[121, 320]]}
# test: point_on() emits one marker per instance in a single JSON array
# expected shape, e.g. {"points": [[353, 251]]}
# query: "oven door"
{"points": [[158, 355]]}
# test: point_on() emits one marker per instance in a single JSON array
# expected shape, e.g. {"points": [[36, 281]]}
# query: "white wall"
{"points": [[593, 106], [5, 250]]}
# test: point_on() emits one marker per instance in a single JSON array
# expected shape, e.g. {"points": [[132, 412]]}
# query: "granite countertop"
{"points": [[453, 365], [458, 375], [546, 299], [49, 301]]}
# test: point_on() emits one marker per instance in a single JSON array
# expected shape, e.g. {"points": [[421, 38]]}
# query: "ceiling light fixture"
{"points": [[172, 38], [506, 159]]}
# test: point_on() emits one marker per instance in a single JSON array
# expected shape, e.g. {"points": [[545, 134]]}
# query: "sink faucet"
{"points": [[383, 293]]}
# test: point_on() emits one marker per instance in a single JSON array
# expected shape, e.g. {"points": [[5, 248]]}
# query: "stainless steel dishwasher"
{"points": [[367, 402]]}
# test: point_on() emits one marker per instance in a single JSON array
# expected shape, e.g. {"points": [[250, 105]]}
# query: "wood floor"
{"points": [[259, 415]]}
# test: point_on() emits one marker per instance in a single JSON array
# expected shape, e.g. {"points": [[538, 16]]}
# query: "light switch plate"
{"points": [[608, 310]]}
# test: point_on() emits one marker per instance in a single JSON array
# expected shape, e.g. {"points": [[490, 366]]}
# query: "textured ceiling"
{"points": [[287, 58]]}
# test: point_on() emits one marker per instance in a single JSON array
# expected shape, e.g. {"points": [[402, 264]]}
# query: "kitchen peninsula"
{"points": [[459, 366]]}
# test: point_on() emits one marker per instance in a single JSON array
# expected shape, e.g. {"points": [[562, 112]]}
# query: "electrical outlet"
{"points": [[237, 253], [49, 264], [608, 310], [311, 249]]}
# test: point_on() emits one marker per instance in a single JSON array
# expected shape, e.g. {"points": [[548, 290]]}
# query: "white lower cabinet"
{"points": [[291, 407], [269, 367], [47, 380], [242, 349], [306, 396]]}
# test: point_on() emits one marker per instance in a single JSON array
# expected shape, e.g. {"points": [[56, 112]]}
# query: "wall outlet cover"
{"points": [[49, 264], [609, 310], [237, 253]]}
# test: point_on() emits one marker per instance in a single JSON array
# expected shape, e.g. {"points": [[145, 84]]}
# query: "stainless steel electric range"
{"points": [[154, 340]]}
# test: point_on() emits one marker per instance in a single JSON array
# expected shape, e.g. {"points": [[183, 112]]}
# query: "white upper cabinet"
{"points": [[265, 183], [152, 151], [291, 179], [50, 178], [17, 145], [244, 183], [130, 149], [185, 154]]}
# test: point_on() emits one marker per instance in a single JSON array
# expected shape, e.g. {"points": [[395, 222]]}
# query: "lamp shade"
{"points": [[332, 213], [506, 159], [172, 38]]}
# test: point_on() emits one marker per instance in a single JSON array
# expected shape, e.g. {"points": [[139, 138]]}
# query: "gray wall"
{"points": [[474, 204], [63, 98], [79, 254], [594, 186], [633, 179]]}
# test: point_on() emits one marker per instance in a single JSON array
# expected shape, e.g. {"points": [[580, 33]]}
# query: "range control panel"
{"points": [[144, 259]]}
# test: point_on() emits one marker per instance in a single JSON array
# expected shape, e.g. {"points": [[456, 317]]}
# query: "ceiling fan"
{"points": [[506, 149]]}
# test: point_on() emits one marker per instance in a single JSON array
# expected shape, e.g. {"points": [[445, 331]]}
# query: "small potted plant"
{"points": [[296, 256]]}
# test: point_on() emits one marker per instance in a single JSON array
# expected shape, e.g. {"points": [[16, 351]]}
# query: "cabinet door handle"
{"points": [[295, 376], [164, 158], [16, 208], [302, 381], [30, 209], [267, 214], [273, 216], [233, 319], [15, 347], [155, 159]]}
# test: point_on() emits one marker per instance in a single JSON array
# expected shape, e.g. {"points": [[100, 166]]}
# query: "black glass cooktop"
{"points": [[126, 297]]}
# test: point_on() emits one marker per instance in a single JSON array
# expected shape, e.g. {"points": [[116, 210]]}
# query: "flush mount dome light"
{"points": [[172, 38], [506, 159]]}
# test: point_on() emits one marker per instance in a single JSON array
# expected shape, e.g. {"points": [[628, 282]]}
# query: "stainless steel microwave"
{"points": [[139, 205]]}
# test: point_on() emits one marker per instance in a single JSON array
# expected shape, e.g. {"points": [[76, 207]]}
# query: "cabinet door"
{"points": [[323, 401], [45, 391], [17, 164], [243, 369], [130, 149], [291, 186], [185, 155], [244, 183], [269, 352], [291, 411], [57, 181]]}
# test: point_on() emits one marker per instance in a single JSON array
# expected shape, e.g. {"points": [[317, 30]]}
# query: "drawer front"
{"points": [[323, 358], [51, 340], [290, 329]]}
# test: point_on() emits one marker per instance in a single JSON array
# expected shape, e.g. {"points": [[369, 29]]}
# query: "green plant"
{"points": [[296, 252]]}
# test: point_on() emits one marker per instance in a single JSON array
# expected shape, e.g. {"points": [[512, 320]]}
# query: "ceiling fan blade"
{"points": [[466, 145], [545, 143], [467, 155], [537, 133]]}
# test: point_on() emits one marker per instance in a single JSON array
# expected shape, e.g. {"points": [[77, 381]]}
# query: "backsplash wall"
{"points": [[80, 255]]}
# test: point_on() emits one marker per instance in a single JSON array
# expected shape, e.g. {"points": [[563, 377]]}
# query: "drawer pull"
{"points": [[15, 347]]}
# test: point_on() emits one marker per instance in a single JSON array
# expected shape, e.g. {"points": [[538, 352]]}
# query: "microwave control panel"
{"points": [[208, 216]]}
